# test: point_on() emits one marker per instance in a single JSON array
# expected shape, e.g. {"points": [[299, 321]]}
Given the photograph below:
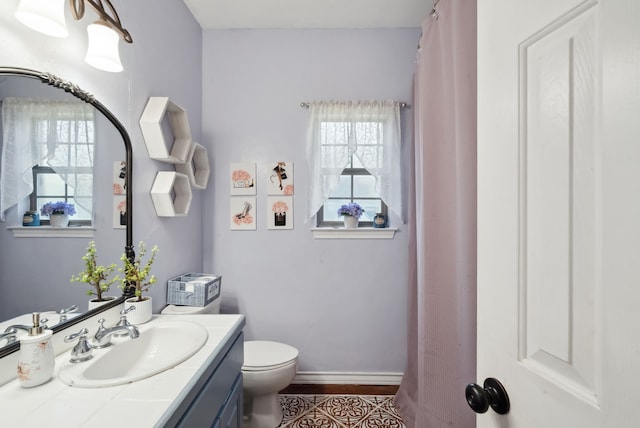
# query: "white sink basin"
{"points": [[161, 346]]}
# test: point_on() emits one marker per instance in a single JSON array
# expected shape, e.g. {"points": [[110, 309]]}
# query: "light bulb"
{"points": [[44, 16], [102, 52]]}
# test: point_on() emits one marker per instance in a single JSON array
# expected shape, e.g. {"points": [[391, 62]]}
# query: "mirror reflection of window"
{"points": [[55, 140]]}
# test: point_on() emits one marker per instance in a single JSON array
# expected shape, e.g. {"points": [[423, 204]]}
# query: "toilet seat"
{"points": [[261, 355]]}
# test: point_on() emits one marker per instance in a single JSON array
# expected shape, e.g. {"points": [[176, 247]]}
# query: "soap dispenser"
{"points": [[36, 360]]}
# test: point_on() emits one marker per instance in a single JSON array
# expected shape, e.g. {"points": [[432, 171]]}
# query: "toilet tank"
{"points": [[211, 308]]}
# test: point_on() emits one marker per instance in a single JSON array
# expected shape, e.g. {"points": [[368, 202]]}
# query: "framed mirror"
{"points": [[35, 271]]}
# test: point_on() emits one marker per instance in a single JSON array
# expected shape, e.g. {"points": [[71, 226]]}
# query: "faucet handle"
{"points": [[99, 340], [125, 311], [74, 336], [123, 320], [123, 316], [69, 310], [101, 327], [63, 312], [82, 350]]}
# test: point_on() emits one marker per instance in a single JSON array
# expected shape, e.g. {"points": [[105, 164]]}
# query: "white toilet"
{"points": [[268, 368]]}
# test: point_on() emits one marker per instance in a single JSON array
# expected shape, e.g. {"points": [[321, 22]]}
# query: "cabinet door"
{"points": [[231, 414], [207, 407]]}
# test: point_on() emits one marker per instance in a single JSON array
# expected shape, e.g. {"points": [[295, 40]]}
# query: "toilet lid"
{"points": [[263, 355]]}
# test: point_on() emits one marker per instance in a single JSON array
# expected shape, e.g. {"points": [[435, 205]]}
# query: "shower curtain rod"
{"points": [[402, 105]]}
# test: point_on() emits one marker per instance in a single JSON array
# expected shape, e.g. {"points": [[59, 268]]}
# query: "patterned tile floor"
{"points": [[339, 411]]}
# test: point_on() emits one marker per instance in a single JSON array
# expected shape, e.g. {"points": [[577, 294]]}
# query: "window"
{"points": [[355, 184], [52, 143], [353, 153]]}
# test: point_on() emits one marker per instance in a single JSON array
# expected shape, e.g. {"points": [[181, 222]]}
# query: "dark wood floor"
{"points": [[340, 389]]}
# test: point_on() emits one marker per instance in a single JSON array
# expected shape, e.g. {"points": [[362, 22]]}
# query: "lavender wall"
{"points": [[164, 60], [342, 303]]}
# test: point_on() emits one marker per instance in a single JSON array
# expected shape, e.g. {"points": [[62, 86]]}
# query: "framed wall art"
{"points": [[242, 179], [242, 214], [280, 212], [279, 178], [119, 209]]}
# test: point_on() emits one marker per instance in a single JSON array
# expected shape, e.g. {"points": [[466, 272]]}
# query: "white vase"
{"points": [[59, 220], [142, 312], [94, 303], [351, 222]]}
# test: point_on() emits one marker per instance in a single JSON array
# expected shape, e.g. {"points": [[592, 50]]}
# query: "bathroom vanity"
{"points": [[203, 391]]}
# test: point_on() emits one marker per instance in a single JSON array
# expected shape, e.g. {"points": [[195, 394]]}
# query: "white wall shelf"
{"points": [[196, 167], [171, 194], [166, 131]]}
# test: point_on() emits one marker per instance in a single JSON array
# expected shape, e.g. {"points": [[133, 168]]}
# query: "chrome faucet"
{"points": [[102, 338], [9, 336], [13, 328]]}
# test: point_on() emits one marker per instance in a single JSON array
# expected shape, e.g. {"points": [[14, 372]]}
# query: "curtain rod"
{"points": [[402, 105]]}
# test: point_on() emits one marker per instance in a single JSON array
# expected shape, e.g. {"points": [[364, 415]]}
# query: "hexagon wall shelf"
{"points": [[171, 194], [196, 166], [166, 131]]}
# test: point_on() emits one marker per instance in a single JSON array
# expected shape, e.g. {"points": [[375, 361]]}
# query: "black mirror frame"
{"points": [[74, 90]]}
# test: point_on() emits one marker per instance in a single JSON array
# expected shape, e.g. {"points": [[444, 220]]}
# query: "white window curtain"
{"points": [[369, 131], [58, 134]]}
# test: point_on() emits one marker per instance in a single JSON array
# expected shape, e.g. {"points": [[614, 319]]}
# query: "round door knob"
{"points": [[492, 394]]}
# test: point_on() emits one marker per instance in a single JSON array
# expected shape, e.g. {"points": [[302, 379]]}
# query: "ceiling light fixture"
{"points": [[47, 16]]}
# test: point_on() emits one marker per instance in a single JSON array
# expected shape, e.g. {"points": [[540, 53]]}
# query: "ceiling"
{"points": [[309, 13]]}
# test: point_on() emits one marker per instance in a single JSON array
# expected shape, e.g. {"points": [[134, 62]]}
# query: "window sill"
{"points": [[359, 233], [52, 232]]}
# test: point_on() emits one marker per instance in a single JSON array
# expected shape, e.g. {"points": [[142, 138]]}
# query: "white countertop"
{"points": [[142, 403]]}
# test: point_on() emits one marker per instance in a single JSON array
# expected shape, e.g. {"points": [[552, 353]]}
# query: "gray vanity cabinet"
{"points": [[231, 413], [216, 399]]}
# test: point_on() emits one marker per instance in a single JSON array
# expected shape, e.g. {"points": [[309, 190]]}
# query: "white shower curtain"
{"points": [[442, 295]]}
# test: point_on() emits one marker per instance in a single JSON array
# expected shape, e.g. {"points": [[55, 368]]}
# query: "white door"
{"points": [[559, 211]]}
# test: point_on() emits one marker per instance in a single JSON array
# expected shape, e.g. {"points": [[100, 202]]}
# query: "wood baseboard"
{"points": [[323, 389]]}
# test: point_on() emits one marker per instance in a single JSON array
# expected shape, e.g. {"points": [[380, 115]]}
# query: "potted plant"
{"points": [[351, 213], [97, 276], [137, 277], [58, 213]]}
